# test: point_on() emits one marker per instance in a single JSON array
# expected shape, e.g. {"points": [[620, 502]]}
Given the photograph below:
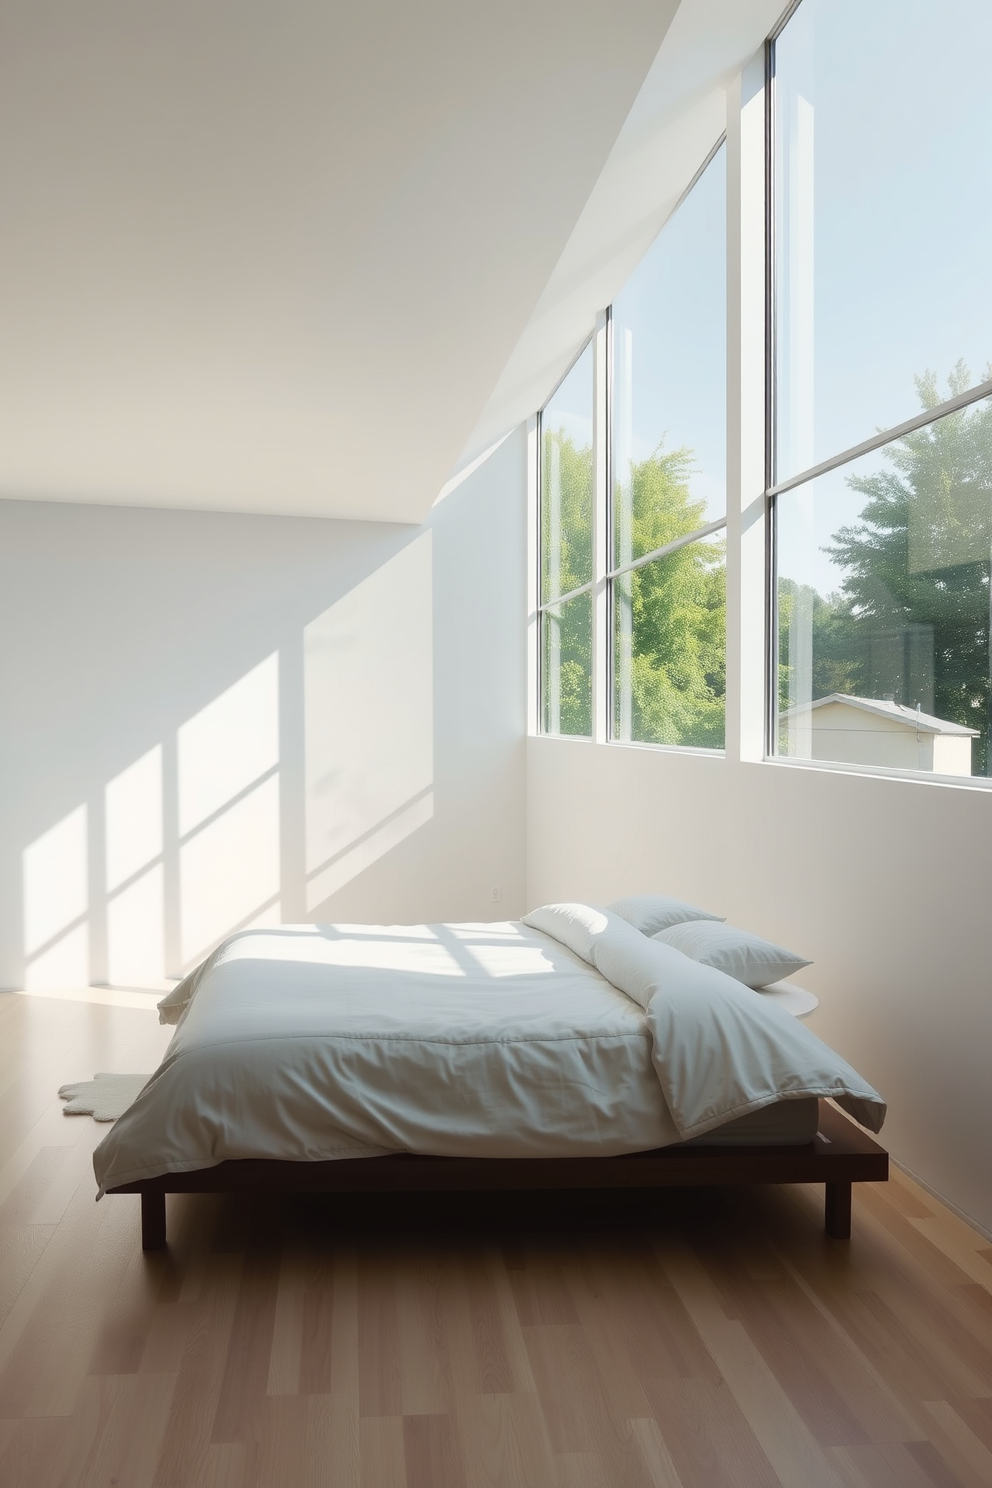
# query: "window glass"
{"points": [[670, 648], [566, 666], [884, 215], [567, 483], [669, 378], [883, 604]]}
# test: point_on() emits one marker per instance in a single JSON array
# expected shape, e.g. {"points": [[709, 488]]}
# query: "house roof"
{"points": [[914, 718]]}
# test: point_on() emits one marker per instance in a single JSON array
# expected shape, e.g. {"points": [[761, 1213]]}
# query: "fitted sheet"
{"points": [[322, 1042]]}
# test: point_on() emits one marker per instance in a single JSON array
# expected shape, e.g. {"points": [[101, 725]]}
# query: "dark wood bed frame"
{"points": [[840, 1154]]}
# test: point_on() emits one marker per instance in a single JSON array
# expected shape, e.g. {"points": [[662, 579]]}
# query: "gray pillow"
{"points": [[746, 957], [650, 913]]}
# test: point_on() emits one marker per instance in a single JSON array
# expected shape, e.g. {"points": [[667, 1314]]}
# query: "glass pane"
{"points": [[566, 667], [670, 378], [670, 649], [884, 216], [883, 594], [566, 483]]}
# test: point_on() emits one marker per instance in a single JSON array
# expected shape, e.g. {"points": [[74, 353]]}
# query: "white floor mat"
{"points": [[105, 1097]]}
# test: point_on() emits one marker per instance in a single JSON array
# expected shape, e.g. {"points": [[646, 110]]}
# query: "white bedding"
{"points": [[318, 1042]]}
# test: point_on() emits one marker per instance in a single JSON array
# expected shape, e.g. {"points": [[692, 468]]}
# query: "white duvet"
{"points": [[314, 1042]]}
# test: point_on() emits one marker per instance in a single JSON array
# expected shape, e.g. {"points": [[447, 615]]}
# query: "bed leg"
{"points": [[153, 1221], [837, 1210]]}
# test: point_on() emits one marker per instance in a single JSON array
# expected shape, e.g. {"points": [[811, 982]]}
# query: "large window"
{"points": [[883, 216], [663, 569], [669, 333], [850, 216]]}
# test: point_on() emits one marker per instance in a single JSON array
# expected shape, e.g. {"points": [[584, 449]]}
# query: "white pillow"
{"points": [[650, 913], [745, 957], [574, 925]]}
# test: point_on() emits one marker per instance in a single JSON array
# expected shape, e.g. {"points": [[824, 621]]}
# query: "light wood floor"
{"points": [[695, 1338]]}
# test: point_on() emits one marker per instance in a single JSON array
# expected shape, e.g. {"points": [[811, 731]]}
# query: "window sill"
{"points": [[881, 772]]}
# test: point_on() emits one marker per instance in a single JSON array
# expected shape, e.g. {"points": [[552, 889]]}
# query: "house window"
{"points": [[882, 480]]}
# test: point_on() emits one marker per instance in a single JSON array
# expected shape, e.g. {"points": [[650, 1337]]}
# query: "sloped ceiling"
{"points": [[273, 255], [299, 256], [677, 118]]}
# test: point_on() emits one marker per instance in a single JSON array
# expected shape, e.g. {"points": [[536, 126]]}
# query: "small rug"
{"points": [[105, 1097]]}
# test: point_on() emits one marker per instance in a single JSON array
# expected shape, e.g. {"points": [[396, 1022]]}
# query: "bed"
{"points": [[579, 1054]]}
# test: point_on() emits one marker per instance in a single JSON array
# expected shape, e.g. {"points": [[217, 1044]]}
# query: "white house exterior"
{"points": [[877, 731]]}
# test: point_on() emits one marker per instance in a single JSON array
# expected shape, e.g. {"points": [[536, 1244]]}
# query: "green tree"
{"points": [[674, 611], [912, 617], [670, 616], [835, 667], [566, 564]]}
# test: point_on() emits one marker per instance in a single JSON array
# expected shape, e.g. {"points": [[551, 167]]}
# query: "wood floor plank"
{"points": [[707, 1435], [504, 1441], [791, 1344], [286, 1355], [332, 1441], [382, 1458], [227, 1465], [425, 1369], [886, 1465], [167, 1336], [378, 1344], [318, 1325], [657, 1458], [240, 1414], [432, 1452], [579, 1404], [47, 1361], [29, 1450], [201, 1371], [778, 1426], [874, 1401], [967, 1456]]}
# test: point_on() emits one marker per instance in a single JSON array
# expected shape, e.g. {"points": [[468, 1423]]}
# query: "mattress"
{"points": [[330, 1042], [788, 1123]]}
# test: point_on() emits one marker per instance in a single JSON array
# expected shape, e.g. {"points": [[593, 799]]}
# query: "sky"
{"points": [[884, 251], [885, 246]]}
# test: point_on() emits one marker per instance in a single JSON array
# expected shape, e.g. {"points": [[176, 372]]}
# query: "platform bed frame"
{"points": [[840, 1154]]}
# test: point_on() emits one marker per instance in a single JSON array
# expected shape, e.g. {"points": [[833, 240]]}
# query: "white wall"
{"points": [[210, 720], [882, 882]]}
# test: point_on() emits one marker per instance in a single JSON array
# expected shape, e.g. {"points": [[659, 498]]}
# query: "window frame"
{"points": [[753, 491], [602, 584], [544, 605]]}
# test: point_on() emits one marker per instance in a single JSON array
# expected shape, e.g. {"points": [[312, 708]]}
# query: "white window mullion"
{"points": [[746, 336], [533, 579], [601, 507]]}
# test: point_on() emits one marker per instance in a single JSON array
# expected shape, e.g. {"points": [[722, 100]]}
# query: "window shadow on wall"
{"points": [[244, 750]]}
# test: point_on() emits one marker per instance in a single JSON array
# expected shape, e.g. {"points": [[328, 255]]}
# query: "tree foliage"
{"points": [[669, 616], [566, 564], [676, 612], [911, 619]]}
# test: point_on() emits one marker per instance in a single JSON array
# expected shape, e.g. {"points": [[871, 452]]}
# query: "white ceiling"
{"points": [[287, 255]]}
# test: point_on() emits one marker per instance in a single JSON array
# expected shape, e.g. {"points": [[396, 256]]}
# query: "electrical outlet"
{"points": [[495, 894]]}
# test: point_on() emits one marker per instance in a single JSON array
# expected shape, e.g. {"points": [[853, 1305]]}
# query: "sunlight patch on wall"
{"points": [[369, 721], [229, 861], [229, 872], [135, 874], [56, 903], [229, 744], [136, 932]]}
